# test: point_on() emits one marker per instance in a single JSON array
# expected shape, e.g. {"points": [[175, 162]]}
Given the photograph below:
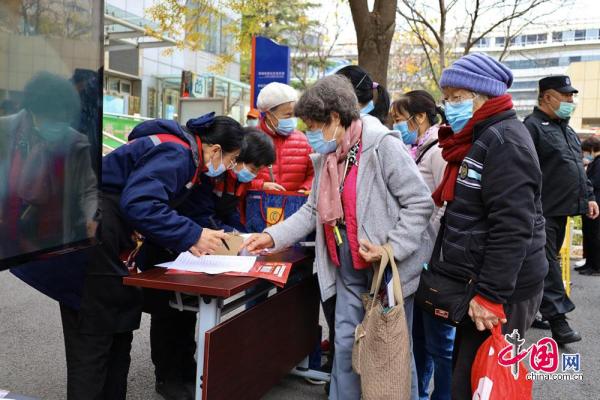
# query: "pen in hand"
{"points": [[216, 227]]}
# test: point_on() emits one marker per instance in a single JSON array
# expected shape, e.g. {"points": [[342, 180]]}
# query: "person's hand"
{"points": [[273, 186], [482, 317], [91, 227], [258, 242], [209, 242], [370, 252], [304, 191], [593, 210]]}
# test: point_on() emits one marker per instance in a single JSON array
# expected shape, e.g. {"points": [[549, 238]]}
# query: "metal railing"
{"points": [[106, 148]]}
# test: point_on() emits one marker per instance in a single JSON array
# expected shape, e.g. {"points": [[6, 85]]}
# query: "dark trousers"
{"points": [[172, 338], [555, 302], [329, 313], [468, 340], [97, 365], [591, 242]]}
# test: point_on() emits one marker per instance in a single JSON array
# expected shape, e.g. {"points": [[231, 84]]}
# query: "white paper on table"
{"points": [[210, 264]]}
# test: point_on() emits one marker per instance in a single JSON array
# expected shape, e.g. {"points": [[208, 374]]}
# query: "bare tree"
{"points": [[374, 34], [482, 18], [312, 48]]}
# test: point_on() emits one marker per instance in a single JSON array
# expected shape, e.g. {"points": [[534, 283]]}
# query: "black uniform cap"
{"points": [[560, 83]]}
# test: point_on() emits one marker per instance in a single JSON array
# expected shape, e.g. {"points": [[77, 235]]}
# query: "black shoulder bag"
{"points": [[445, 290]]}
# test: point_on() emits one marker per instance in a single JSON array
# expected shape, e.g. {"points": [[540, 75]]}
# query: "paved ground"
{"points": [[32, 352]]}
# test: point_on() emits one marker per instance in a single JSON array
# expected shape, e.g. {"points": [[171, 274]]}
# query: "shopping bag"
{"points": [[269, 207], [381, 351], [492, 381]]}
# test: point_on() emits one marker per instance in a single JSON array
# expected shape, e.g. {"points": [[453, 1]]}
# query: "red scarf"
{"points": [[455, 147]]}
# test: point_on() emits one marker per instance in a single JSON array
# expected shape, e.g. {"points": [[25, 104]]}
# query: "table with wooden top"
{"points": [[243, 356]]}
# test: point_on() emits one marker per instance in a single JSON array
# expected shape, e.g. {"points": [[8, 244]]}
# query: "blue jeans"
{"points": [[433, 342]]}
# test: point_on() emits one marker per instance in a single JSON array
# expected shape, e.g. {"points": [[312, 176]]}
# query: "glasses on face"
{"points": [[457, 99], [232, 164]]}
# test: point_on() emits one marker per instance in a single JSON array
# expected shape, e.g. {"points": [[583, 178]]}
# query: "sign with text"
{"points": [[270, 63]]}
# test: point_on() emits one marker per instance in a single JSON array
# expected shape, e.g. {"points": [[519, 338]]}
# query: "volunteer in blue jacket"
{"points": [[141, 181], [223, 198], [213, 203]]}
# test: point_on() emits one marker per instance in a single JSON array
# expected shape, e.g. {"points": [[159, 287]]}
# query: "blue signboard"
{"points": [[270, 63]]}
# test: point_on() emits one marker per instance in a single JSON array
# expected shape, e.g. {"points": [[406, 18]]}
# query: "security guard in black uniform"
{"points": [[566, 191]]}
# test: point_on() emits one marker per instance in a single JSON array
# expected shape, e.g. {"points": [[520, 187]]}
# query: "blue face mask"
{"points": [[458, 114], [53, 131], [319, 144], [244, 175], [408, 137], [253, 123], [589, 158], [214, 172], [286, 126], [368, 108], [565, 110]]}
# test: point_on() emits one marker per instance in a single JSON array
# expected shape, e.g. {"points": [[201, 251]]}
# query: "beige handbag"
{"points": [[381, 352]]}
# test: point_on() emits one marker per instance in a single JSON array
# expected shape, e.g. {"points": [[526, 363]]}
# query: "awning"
{"points": [[125, 31]]}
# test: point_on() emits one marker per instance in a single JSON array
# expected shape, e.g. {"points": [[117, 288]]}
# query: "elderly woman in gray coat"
{"points": [[367, 192]]}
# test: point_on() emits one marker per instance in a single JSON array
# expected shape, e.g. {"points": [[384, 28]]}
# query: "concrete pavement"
{"points": [[32, 360]]}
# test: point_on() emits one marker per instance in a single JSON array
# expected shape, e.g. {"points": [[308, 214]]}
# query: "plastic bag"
{"points": [[492, 381]]}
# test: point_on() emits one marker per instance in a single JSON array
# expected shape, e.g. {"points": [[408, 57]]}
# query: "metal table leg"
{"points": [[209, 313]]}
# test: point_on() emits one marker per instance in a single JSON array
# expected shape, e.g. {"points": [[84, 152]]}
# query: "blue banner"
{"points": [[270, 63]]}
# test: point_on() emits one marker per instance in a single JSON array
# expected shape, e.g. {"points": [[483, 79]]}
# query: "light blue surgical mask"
{"points": [[53, 131], [458, 114], [319, 144], [589, 158], [252, 123], [565, 110], [214, 172], [244, 175], [286, 126], [408, 137], [368, 108]]}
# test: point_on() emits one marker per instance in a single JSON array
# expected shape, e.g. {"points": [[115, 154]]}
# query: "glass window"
{"points": [[50, 126], [151, 103], [500, 41], [580, 34], [125, 87], [591, 34], [557, 36], [113, 85]]}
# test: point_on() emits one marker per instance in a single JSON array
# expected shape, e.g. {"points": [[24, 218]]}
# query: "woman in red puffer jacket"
{"points": [[292, 169]]}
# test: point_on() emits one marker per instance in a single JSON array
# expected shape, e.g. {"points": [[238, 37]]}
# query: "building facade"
{"points": [[143, 74], [554, 50]]}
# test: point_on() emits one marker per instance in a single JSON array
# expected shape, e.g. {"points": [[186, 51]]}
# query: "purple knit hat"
{"points": [[479, 73]]}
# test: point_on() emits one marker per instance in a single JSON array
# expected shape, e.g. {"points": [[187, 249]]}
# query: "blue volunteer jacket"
{"points": [[151, 176]]}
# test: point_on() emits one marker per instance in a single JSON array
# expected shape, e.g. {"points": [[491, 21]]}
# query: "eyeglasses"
{"points": [[232, 164], [457, 99]]}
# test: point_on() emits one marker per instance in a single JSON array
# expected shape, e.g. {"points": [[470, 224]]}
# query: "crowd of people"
{"points": [[461, 184]]}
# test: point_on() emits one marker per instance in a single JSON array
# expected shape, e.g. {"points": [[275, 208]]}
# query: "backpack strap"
{"points": [[425, 150]]}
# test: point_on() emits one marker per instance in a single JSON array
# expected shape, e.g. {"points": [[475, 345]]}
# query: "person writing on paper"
{"points": [[212, 204], [367, 192], [140, 183], [222, 199], [292, 169]]}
